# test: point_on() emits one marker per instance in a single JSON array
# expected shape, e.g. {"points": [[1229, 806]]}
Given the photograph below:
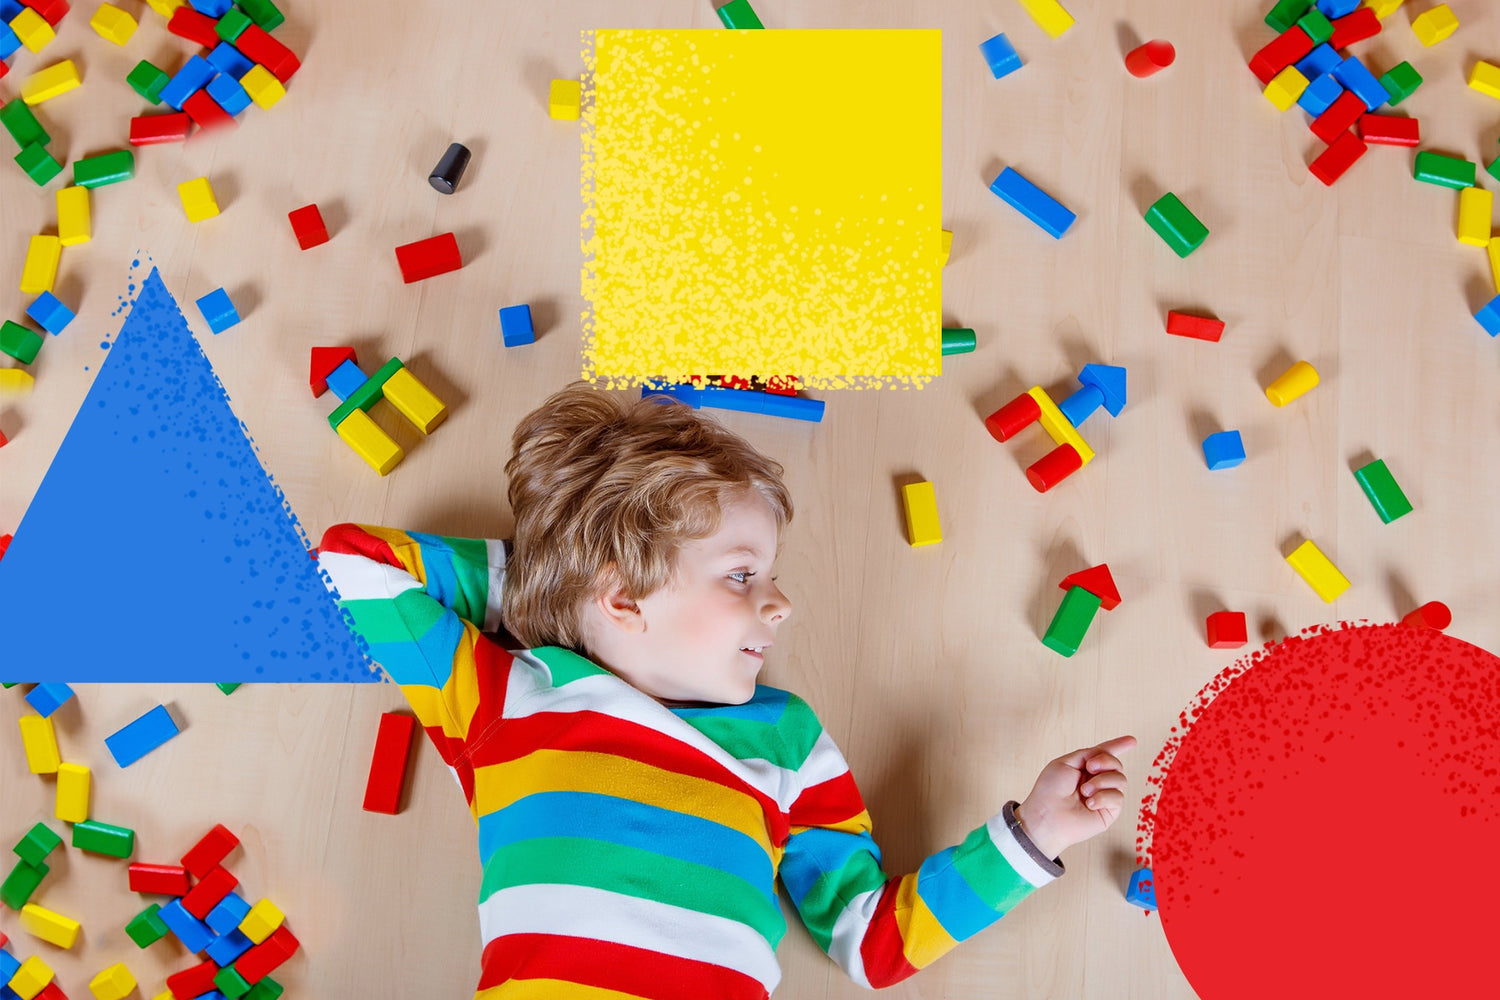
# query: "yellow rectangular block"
{"points": [[15, 380], [1434, 25], [54, 928], [34, 974], [1319, 572], [198, 198], [40, 741], [262, 920], [947, 245], [262, 86], [43, 85], [370, 442], [1495, 261], [1049, 15], [920, 501], [166, 8], [74, 223], [113, 23], [40, 269], [415, 401], [72, 793], [1057, 426], [1476, 208], [114, 983], [1285, 87], [564, 99], [32, 29], [1384, 8], [1485, 78]]}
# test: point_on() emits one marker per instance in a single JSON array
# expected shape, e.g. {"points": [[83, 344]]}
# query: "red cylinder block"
{"points": [[1053, 467], [1433, 614], [1153, 57], [1014, 417]]}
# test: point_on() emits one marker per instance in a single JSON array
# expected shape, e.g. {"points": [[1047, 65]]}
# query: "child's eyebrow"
{"points": [[747, 550]]}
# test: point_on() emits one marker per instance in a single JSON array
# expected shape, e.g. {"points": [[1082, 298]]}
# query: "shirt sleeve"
{"points": [[882, 928]]}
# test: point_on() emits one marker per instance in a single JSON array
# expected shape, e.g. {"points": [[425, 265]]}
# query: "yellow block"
{"points": [[1485, 78], [73, 220], [416, 402], [1057, 426], [40, 269], [113, 23], [262, 920], [164, 994], [72, 793], [54, 928], [1292, 383], [1495, 262], [947, 244], [262, 86], [1384, 8], [198, 198], [1476, 208], [59, 78], [564, 99], [34, 974], [166, 8], [1434, 25], [40, 741], [1319, 572], [114, 983], [15, 380], [370, 442], [1049, 15], [1285, 87], [920, 502], [32, 29]]}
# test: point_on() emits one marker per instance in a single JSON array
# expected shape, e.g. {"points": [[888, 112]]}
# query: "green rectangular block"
{"points": [[367, 395], [263, 12], [1176, 225], [103, 838], [1444, 171], [232, 24], [22, 124], [21, 883], [266, 989], [1071, 621], [226, 688], [737, 14], [37, 844], [1400, 82], [19, 342], [1286, 13], [1494, 168], [106, 168], [146, 928], [40, 165], [1317, 26], [147, 80], [1383, 490], [229, 982]]}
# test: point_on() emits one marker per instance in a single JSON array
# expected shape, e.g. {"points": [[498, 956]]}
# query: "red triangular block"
{"points": [[1097, 581], [324, 361]]}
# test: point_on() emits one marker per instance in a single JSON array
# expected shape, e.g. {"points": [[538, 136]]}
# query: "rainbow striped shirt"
{"points": [[631, 849]]}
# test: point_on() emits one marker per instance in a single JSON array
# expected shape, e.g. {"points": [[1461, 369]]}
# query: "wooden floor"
{"points": [[925, 664]]}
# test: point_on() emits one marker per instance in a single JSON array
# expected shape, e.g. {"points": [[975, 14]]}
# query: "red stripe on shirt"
{"points": [[881, 949], [607, 965], [828, 802]]}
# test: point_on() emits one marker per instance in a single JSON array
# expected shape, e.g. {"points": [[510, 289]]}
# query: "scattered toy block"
{"points": [[919, 502], [146, 928], [209, 891], [1383, 491], [1057, 427], [1000, 55], [1489, 315], [346, 379], [263, 87], [148, 80], [114, 983], [163, 880], [262, 920], [1053, 467], [194, 75], [1049, 15], [1013, 417], [1178, 227], [52, 927], [267, 956], [310, 230], [1285, 87], [21, 883], [38, 164], [232, 23], [1389, 130], [113, 23], [40, 742], [229, 61], [1071, 622], [1445, 171], [205, 111], [738, 14], [1336, 160], [22, 124], [140, 737], [1317, 26], [188, 23], [325, 361], [32, 29], [210, 851], [414, 401], [19, 342], [34, 975], [428, 258], [1292, 383], [197, 199], [1476, 208], [48, 698], [1337, 120], [564, 98], [1223, 450], [103, 838], [1432, 26], [45, 84], [14, 381], [1485, 78], [1286, 13], [218, 311], [39, 842], [40, 269], [150, 130], [106, 168], [1031, 201], [1433, 615], [1358, 80], [515, 326], [1289, 47], [1400, 82], [73, 223], [1142, 889], [1098, 581], [1354, 27], [1384, 8], [369, 442], [260, 47], [450, 168], [227, 93], [957, 340], [945, 244], [1317, 64], [1196, 327], [72, 803], [195, 936], [264, 13], [388, 766], [226, 916], [1319, 571]]}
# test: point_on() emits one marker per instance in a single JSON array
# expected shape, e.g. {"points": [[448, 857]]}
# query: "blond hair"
{"points": [[602, 487]]}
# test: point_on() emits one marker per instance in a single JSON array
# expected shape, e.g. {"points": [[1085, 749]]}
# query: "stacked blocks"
{"points": [[1103, 385], [1176, 225], [1087, 592], [919, 502], [218, 311], [1032, 202], [1000, 55], [336, 368], [515, 326], [1383, 491], [1223, 450]]}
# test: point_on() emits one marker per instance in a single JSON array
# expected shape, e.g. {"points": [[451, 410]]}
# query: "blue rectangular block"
{"points": [[1223, 450], [228, 94], [8, 11], [1032, 202], [218, 311], [1319, 61], [515, 325], [346, 378], [769, 403], [213, 8], [1337, 8], [1489, 316], [9, 41], [228, 947], [141, 737], [1000, 55], [8, 965], [1320, 95], [229, 60], [49, 313], [48, 698], [193, 77], [1356, 77], [226, 916], [192, 932]]}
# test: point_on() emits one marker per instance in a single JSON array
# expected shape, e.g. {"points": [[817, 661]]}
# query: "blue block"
{"points": [[218, 311], [1320, 95], [346, 378], [1110, 381], [1337, 8], [770, 403], [48, 698], [515, 326], [681, 392], [8, 11], [1319, 61], [193, 77], [228, 94], [226, 916], [141, 737], [9, 41], [8, 965], [1032, 202], [1223, 450], [50, 314], [192, 932], [1356, 77], [228, 947], [213, 8], [1142, 891], [229, 60], [1081, 405], [1489, 316], [1000, 55]]}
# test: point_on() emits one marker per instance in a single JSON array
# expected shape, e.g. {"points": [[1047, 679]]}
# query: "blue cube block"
{"points": [[213, 8], [192, 932], [49, 313], [1337, 8], [1000, 55], [344, 379], [1356, 77], [229, 60], [1223, 450], [8, 966], [48, 698], [193, 77], [226, 916], [1489, 316], [515, 326], [228, 947], [1081, 405], [9, 41], [8, 11], [228, 94], [218, 311], [1319, 61], [145, 734], [1032, 202], [1142, 891], [1320, 95]]}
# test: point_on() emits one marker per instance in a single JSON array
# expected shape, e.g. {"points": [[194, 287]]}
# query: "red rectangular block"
{"points": [[388, 767], [1197, 327], [308, 226], [256, 44], [52, 10], [429, 257], [209, 891], [197, 980], [163, 880], [1337, 158], [208, 853], [195, 27], [1285, 49], [146, 130], [1355, 27], [1341, 114], [206, 111], [1390, 130], [262, 959]]}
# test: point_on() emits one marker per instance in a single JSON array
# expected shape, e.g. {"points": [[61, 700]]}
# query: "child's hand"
{"points": [[1076, 796]]}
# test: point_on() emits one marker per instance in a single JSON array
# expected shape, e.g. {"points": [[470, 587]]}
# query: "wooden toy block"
{"points": [[212, 8], [1433, 615], [197, 199], [1291, 46], [1432, 26], [367, 395], [1336, 9], [1056, 425], [1071, 622], [148, 81], [346, 380], [1354, 27], [1097, 580], [958, 340], [22, 124], [40, 270], [1223, 450], [450, 168], [163, 880], [919, 502], [1032, 202], [187, 81], [226, 916], [1389, 130], [72, 805], [1013, 417], [1476, 208], [1337, 120], [1383, 491], [1081, 405], [229, 61], [1317, 26], [1485, 78], [114, 983], [15, 381], [1319, 572], [54, 928], [1109, 380], [1384, 8], [309, 228], [263, 87], [1317, 64], [205, 111], [1494, 249], [38, 164], [737, 14], [33, 975], [218, 311], [1150, 58], [1178, 227], [1293, 382], [1285, 87], [188, 23], [414, 400], [325, 361], [149, 130], [230, 983], [43, 85], [428, 258], [146, 928], [564, 98], [21, 883], [210, 851], [1444, 171], [49, 313], [1196, 327], [140, 737], [1358, 80], [103, 838], [1000, 55], [388, 765], [1142, 889], [515, 326], [232, 24], [194, 981], [48, 698], [113, 23], [19, 342], [264, 917], [40, 741], [74, 224], [1049, 15], [267, 956], [106, 168], [39, 842], [1286, 13], [1335, 161], [370, 442], [1489, 314], [211, 888], [32, 29], [1053, 467], [260, 47], [945, 243]]}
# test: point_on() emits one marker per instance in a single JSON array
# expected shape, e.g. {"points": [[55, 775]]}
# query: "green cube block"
{"points": [[232, 24], [19, 342], [146, 928], [40, 165], [1383, 490], [266, 989], [37, 844], [1445, 171], [21, 883], [367, 395], [226, 688], [1400, 82], [22, 124], [1494, 168], [147, 80], [263, 13], [737, 14], [230, 983], [104, 838], [1071, 621], [1286, 13], [1176, 225], [107, 168], [1317, 26]]}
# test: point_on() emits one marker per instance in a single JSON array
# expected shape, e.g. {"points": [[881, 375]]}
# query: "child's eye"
{"points": [[747, 574]]}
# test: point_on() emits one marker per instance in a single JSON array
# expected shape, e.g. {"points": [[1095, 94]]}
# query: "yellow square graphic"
{"points": [[763, 203]]}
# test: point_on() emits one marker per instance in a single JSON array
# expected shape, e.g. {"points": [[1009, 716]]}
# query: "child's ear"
{"points": [[616, 605]]}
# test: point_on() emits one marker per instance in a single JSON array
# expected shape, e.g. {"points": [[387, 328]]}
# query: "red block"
{"points": [[164, 880], [388, 767], [1013, 417], [1389, 130], [52, 10], [1355, 27], [1153, 57], [1226, 630], [197, 980], [1097, 581], [1053, 467], [4, 544], [206, 111], [1341, 114], [324, 361], [1433, 614], [259, 46], [782, 385], [209, 852], [1339, 157], [307, 225], [4, 69], [209, 891], [1287, 47], [262, 959], [146, 130], [1197, 327], [51, 991], [195, 27], [425, 258]]}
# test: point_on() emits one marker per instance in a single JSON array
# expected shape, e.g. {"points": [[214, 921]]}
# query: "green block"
{"points": [[1494, 168], [367, 395], [107, 168], [266, 989], [737, 14], [1286, 13], [1071, 621], [1383, 490], [22, 124], [103, 838], [21, 883], [146, 928], [263, 13], [37, 844], [39, 164], [232, 24], [1317, 26], [230, 983], [1176, 225], [19, 342], [1400, 82], [226, 688], [958, 341], [147, 80], [1445, 171]]}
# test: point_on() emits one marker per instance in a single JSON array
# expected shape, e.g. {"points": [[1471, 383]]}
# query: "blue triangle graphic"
{"points": [[157, 549]]}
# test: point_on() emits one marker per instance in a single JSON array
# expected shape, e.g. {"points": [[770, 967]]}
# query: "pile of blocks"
{"points": [[337, 368], [1103, 385]]}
